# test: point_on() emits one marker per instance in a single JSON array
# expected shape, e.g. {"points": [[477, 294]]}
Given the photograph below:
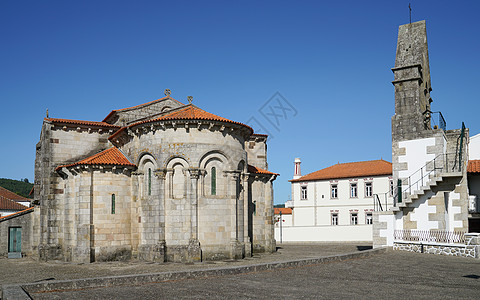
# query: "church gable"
{"points": [[124, 116]]}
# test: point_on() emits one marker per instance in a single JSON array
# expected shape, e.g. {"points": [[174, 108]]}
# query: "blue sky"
{"points": [[330, 60]]}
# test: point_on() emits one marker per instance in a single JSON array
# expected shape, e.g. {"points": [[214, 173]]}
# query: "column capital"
{"points": [[160, 173], [234, 175], [194, 173]]}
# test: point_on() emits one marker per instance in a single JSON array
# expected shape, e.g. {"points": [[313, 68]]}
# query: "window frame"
{"points": [[368, 183], [368, 217], [354, 218], [352, 185], [334, 187], [303, 192], [334, 219]]}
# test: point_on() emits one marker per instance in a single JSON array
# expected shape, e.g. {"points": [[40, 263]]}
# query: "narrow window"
{"points": [[214, 181], [334, 219], [304, 193], [353, 190], [392, 189], [113, 204], [354, 219], [149, 182], [334, 191], [368, 189], [369, 218]]}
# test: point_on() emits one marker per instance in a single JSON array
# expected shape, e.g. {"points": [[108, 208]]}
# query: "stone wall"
{"points": [[471, 248], [23, 220]]}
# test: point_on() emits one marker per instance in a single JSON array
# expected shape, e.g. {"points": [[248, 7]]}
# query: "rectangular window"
{"points": [[354, 219], [334, 193], [334, 219], [303, 194], [368, 189], [353, 190], [392, 188], [368, 218]]}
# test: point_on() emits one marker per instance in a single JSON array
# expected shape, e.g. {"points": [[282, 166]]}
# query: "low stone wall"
{"points": [[471, 248]]}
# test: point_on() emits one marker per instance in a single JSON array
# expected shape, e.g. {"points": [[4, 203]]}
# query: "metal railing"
{"points": [[411, 235], [377, 201], [438, 120], [443, 163]]}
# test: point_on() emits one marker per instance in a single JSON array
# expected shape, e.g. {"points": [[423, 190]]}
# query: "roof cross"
{"points": [[167, 92], [190, 99]]}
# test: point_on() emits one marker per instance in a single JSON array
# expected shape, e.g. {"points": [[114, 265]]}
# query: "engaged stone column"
{"points": [[269, 224], [194, 250], [159, 203], [246, 238], [236, 247]]}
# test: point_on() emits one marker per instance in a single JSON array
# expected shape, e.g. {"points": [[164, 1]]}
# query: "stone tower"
{"points": [[412, 83]]}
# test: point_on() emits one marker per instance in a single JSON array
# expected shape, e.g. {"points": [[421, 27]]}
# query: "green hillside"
{"points": [[19, 187]]}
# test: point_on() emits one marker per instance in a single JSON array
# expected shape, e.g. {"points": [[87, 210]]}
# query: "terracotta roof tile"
{"points": [[17, 213], [473, 166], [7, 204], [285, 211], [189, 112], [257, 170], [11, 195], [80, 122], [111, 156], [350, 170], [132, 107]]}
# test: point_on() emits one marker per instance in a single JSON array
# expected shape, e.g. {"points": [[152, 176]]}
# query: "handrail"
{"points": [[432, 236], [377, 203], [440, 164]]}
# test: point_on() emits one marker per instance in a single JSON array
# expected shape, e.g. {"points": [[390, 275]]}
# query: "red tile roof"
{"points": [[257, 170], [80, 122], [350, 170], [12, 196], [7, 204], [136, 106], [189, 112], [17, 213], [473, 166], [111, 156], [285, 211]]}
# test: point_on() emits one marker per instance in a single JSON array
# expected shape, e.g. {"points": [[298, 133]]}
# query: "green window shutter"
{"points": [[214, 181], [113, 204]]}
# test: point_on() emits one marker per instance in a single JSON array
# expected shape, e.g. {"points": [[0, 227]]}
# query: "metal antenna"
{"points": [[410, 9]]}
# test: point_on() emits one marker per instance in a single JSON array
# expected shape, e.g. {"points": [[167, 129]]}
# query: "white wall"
{"points": [[314, 214], [324, 233], [415, 156], [474, 147]]}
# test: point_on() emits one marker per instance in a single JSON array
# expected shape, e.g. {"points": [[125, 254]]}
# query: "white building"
{"points": [[337, 203]]}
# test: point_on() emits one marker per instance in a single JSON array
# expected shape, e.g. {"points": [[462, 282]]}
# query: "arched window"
{"points": [[113, 204], [214, 181], [149, 181]]}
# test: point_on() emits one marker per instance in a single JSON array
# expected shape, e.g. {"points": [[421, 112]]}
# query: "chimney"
{"points": [[297, 173]]}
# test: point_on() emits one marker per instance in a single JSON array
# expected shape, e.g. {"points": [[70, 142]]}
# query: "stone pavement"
{"points": [[392, 274], [388, 275], [28, 271]]}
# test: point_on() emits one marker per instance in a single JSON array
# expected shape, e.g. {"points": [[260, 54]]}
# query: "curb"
{"points": [[20, 291]]}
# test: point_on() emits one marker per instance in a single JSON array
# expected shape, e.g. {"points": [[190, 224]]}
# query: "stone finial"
{"points": [[190, 99], [167, 92], [47, 113]]}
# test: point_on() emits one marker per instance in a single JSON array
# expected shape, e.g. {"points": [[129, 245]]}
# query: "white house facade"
{"points": [[337, 203]]}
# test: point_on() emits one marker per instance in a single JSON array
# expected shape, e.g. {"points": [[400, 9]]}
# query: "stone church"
{"points": [[160, 181]]}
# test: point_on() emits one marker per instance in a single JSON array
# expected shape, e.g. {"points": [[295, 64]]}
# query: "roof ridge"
{"points": [[102, 155], [135, 106]]}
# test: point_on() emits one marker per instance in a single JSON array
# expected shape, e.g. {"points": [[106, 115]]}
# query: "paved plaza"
{"points": [[392, 274]]}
